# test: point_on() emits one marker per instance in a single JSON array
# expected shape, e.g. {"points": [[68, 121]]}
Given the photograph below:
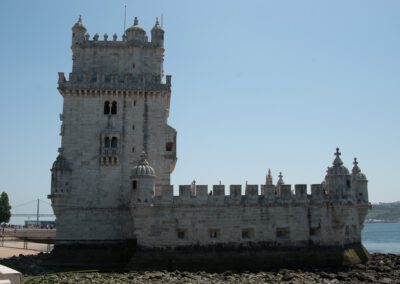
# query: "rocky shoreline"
{"points": [[381, 268]]}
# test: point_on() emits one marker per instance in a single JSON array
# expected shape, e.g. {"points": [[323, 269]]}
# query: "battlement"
{"points": [[114, 42], [253, 194], [93, 80]]}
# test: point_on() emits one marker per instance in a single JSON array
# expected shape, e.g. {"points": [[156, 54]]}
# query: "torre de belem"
{"points": [[111, 180]]}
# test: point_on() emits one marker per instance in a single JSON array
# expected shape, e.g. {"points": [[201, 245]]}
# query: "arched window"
{"points": [[114, 107], [106, 142], [107, 107], [114, 142]]}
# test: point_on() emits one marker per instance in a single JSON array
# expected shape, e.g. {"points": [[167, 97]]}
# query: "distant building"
{"points": [[111, 180]]}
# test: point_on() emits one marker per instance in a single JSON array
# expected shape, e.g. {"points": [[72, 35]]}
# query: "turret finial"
{"points": [[136, 21], [80, 19], [337, 161], [280, 181], [356, 168], [268, 180]]}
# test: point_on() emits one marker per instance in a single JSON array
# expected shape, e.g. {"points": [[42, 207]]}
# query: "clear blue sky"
{"points": [[256, 85]]}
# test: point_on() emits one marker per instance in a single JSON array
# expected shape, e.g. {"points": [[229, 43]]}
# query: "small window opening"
{"points": [[169, 146], [133, 66], [181, 234], [282, 233], [133, 149], [94, 78], [134, 184], [214, 234], [114, 107], [348, 184], [107, 107], [360, 194], [115, 160], [114, 143], [134, 103], [107, 142], [315, 231], [247, 234], [133, 127]]}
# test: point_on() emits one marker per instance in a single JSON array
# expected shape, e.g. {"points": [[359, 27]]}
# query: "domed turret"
{"points": [[359, 183], [157, 34], [337, 179], [356, 172], [78, 31], [60, 173], [135, 33], [143, 181]]}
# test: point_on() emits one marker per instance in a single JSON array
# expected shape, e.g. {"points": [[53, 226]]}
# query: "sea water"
{"points": [[382, 237]]}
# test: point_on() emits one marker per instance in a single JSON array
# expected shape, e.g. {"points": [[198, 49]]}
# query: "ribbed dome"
{"points": [[356, 171], [79, 24], [60, 164], [157, 26], [338, 168], [143, 168], [135, 32]]}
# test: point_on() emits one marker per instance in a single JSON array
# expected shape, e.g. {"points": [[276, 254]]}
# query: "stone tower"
{"points": [[116, 106]]}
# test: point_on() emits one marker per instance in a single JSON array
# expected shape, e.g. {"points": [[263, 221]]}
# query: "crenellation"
{"points": [[235, 192], [317, 192], [202, 191], [285, 192], [185, 192], [218, 191], [300, 192], [251, 190]]}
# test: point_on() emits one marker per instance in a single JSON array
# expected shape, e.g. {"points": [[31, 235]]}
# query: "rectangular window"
{"points": [[247, 234], [181, 234], [169, 146], [134, 184], [282, 233], [315, 231]]}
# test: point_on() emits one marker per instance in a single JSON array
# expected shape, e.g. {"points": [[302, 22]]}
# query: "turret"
{"points": [[78, 32], [157, 34], [135, 33], [359, 183], [143, 181], [337, 179], [60, 174], [268, 179]]}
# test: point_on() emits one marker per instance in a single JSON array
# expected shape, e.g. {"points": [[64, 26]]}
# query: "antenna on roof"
{"points": [[124, 19]]}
